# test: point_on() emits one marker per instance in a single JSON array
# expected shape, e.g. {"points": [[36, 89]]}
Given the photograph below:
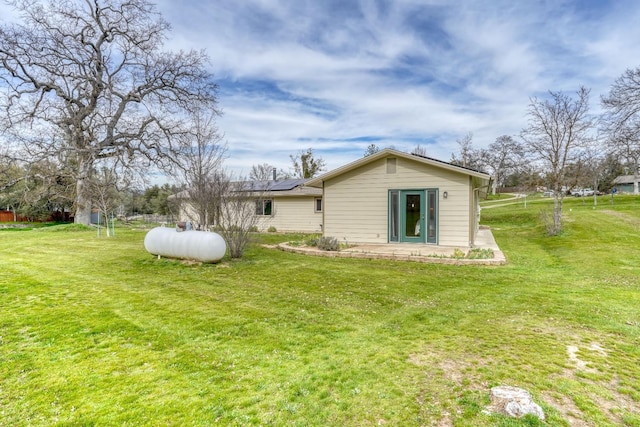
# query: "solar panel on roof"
{"points": [[284, 185]]}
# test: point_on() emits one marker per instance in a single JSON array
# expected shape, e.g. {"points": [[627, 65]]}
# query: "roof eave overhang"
{"points": [[318, 181]]}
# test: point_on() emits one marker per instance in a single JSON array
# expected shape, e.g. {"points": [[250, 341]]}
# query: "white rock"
{"points": [[513, 402]]}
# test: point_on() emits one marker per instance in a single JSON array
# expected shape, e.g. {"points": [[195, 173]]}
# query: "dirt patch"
{"points": [[612, 405], [445, 421], [419, 359], [579, 364], [567, 409], [455, 371], [587, 368], [449, 375]]}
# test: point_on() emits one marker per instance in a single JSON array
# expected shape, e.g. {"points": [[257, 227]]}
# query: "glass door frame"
{"points": [[417, 227], [397, 216]]}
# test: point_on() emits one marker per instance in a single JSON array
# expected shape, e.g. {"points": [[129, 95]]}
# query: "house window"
{"points": [[318, 204], [394, 209], [263, 207]]}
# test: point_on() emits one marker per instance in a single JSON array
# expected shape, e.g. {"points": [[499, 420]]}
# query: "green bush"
{"points": [[271, 229], [253, 229], [328, 244]]}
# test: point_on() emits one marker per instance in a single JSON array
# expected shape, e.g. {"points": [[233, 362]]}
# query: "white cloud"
{"points": [[328, 74]]}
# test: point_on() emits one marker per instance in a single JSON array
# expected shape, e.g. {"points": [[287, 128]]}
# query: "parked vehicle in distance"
{"points": [[583, 193]]}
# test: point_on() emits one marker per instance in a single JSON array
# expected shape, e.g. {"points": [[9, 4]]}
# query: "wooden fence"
{"points": [[8, 216]]}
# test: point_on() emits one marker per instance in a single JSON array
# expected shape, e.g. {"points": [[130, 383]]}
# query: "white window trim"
{"points": [[263, 203]]}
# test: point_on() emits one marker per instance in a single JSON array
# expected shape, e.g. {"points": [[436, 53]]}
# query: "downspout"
{"points": [[477, 210], [324, 209]]}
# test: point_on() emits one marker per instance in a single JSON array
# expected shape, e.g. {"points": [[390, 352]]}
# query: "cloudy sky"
{"points": [[338, 75]]}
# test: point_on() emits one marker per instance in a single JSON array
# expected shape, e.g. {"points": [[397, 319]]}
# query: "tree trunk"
{"points": [[557, 214], [106, 222], [83, 193]]}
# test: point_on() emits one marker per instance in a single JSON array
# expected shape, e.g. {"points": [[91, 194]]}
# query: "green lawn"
{"points": [[95, 331]]}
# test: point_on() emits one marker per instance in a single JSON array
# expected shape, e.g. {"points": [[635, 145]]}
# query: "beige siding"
{"points": [[293, 214], [187, 212], [356, 202], [289, 214]]}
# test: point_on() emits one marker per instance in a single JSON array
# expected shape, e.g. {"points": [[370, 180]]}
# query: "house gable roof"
{"points": [[389, 152]]}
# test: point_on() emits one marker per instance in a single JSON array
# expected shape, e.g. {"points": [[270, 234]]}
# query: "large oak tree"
{"points": [[86, 80]]}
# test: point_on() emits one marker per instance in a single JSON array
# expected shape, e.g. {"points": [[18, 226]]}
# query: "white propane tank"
{"points": [[202, 246]]}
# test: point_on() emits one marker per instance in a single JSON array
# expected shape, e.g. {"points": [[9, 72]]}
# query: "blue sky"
{"points": [[337, 75]]}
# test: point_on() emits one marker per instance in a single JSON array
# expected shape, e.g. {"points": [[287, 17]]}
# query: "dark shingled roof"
{"points": [[448, 163]]}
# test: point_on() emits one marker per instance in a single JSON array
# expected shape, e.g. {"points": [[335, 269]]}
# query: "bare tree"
{"points": [[593, 165], [466, 149], [200, 162], [503, 157], [610, 167], [469, 156], [371, 149], [240, 209], [622, 120], [266, 172], [88, 80], [105, 193], [419, 150], [306, 164], [558, 128], [12, 170]]}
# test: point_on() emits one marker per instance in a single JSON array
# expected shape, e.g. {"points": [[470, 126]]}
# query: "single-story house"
{"points": [[626, 184], [286, 205], [392, 196]]}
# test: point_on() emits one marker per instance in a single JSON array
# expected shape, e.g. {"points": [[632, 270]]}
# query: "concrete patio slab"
{"points": [[412, 252]]}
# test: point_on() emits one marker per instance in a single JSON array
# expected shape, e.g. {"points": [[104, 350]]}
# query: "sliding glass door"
{"points": [[413, 216]]}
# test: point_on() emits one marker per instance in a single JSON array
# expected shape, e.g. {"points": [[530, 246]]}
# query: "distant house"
{"points": [[395, 197], [287, 205], [626, 184]]}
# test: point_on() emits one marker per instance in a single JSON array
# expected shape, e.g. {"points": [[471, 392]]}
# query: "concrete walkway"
{"points": [[412, 252]]}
